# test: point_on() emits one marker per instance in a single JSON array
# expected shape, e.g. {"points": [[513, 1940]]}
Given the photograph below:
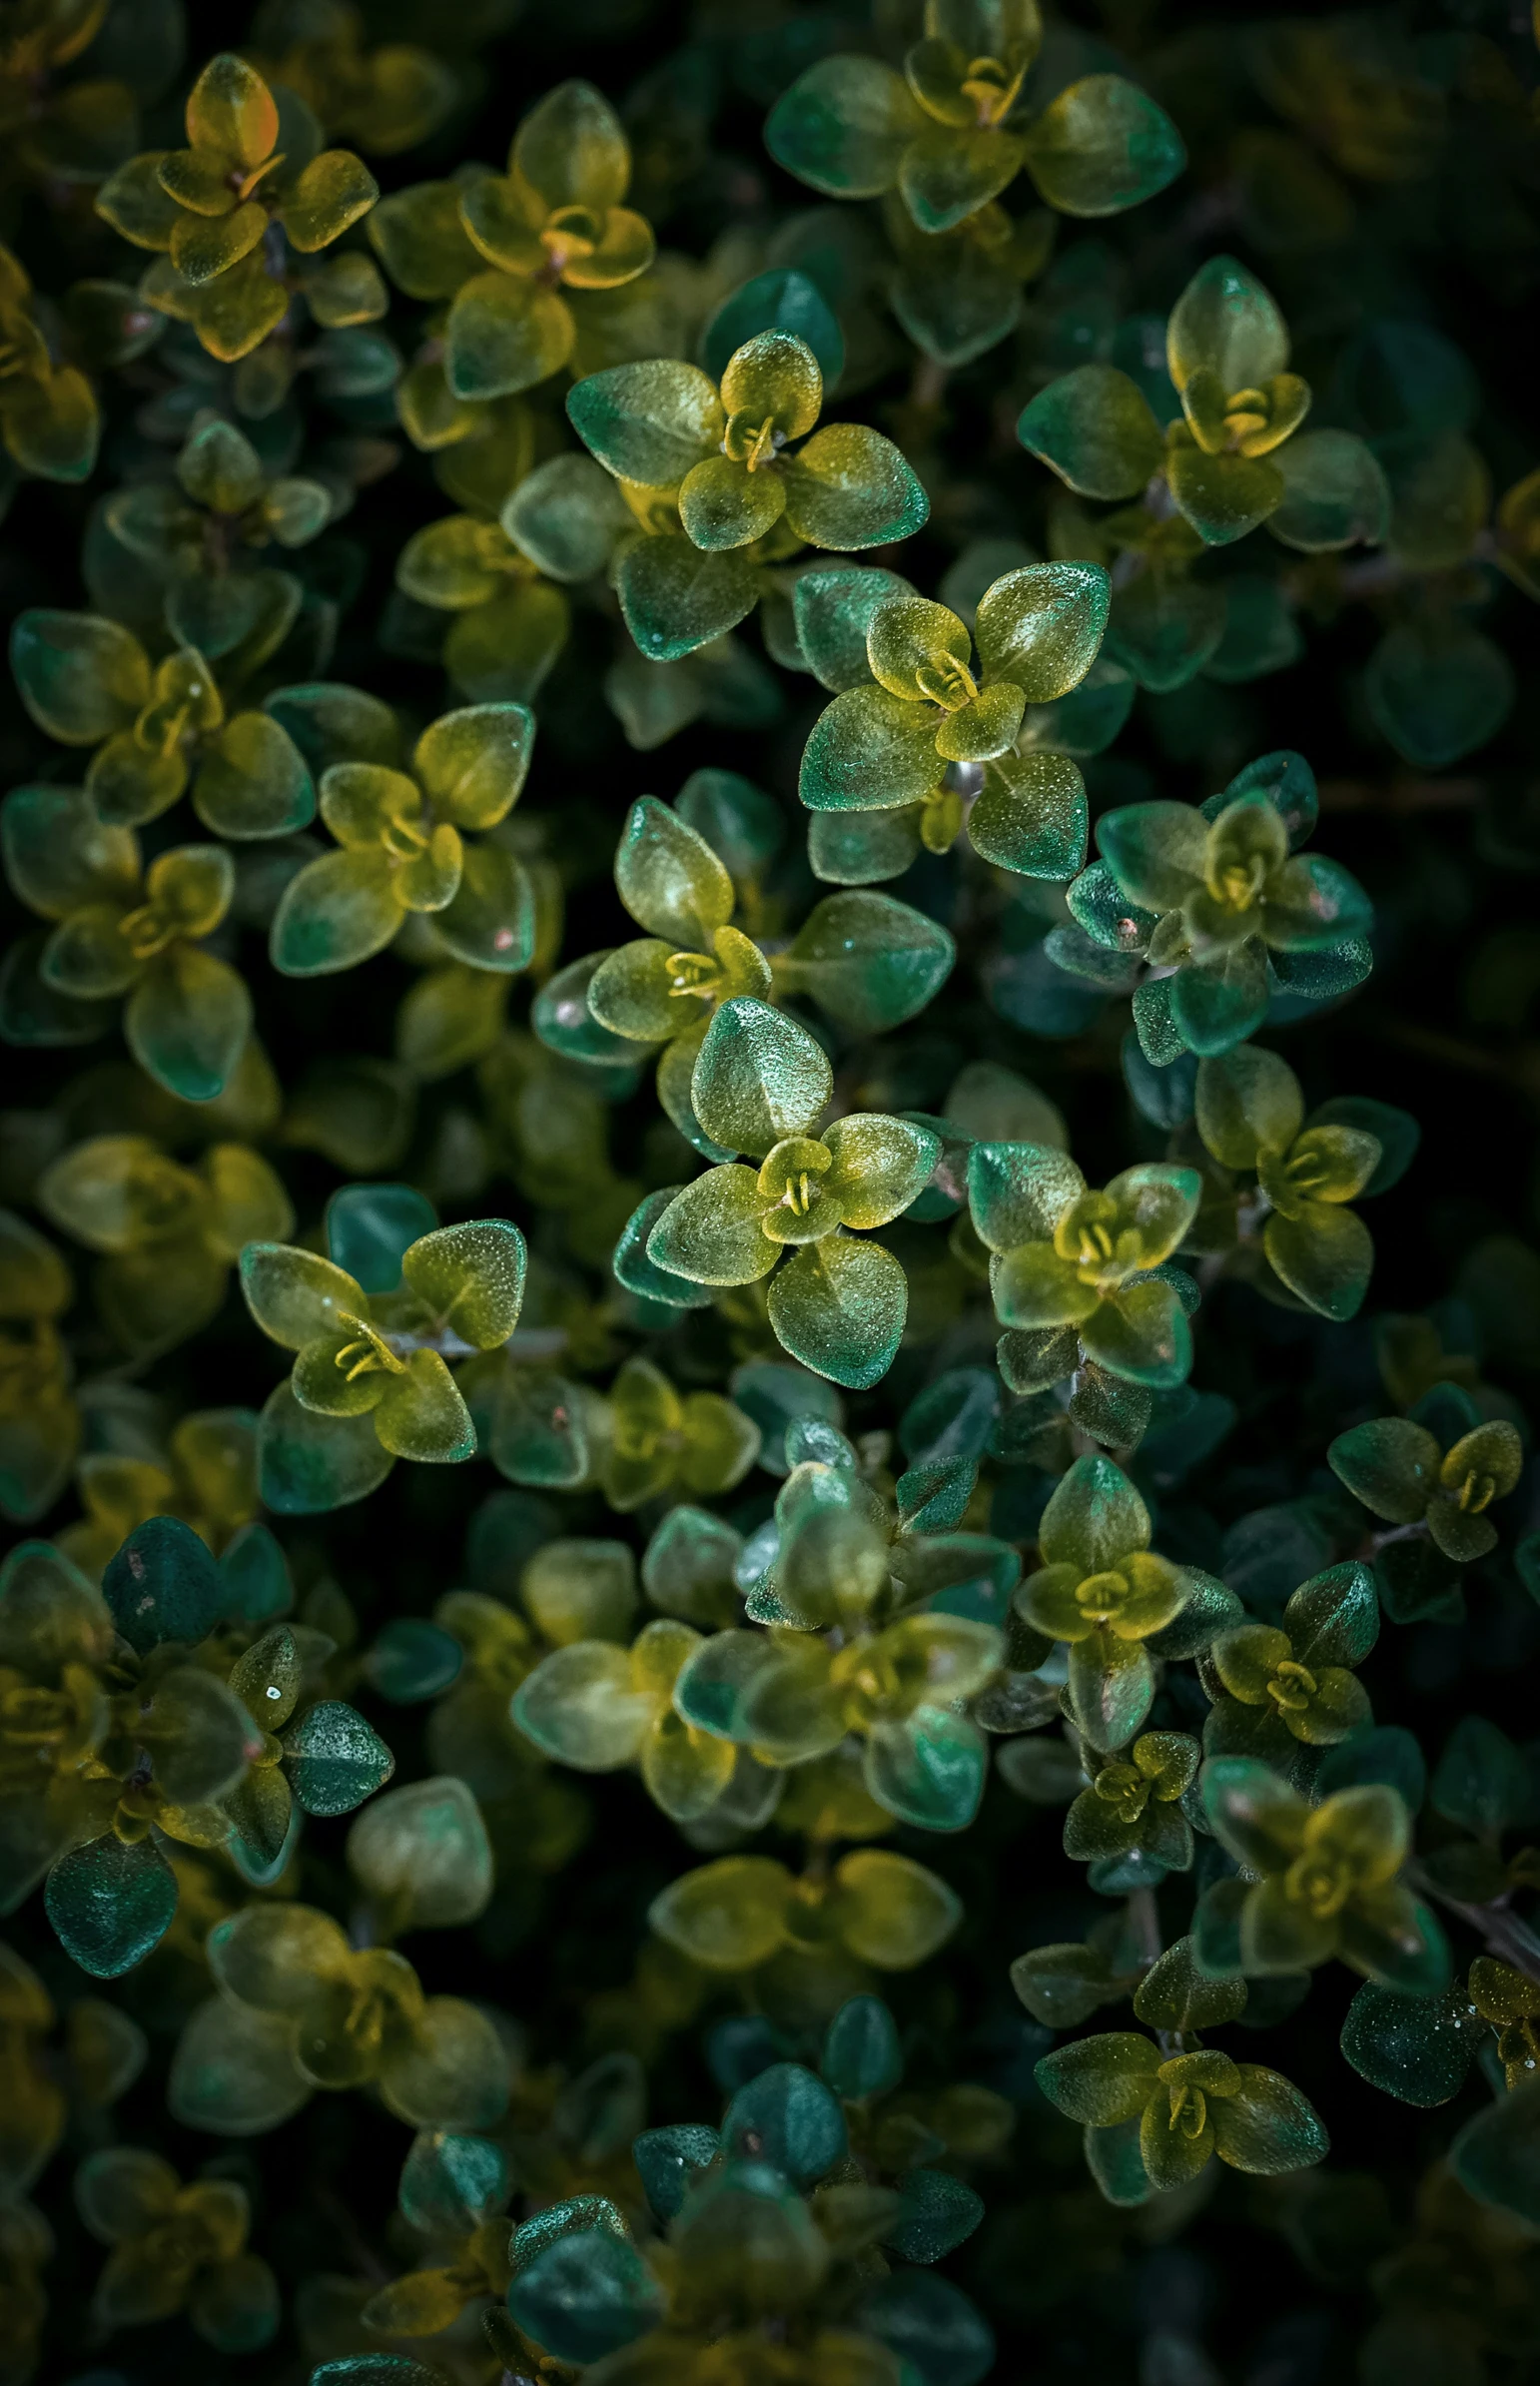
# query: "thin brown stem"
{"points": [[1499, 1928]]}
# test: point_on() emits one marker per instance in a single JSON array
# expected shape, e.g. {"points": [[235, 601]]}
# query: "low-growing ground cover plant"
{"points": [[769, 1263]]}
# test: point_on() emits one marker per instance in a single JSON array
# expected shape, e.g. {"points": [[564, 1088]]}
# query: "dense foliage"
{"points": [[769, 1310]]}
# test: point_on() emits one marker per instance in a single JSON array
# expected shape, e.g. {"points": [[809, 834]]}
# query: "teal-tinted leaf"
{"points": [[163, 1584], [1437, 695], [938, 2214], [931, 2326], [860, 2053], [787, 2117], [1497, 2155], [870, 962], [414, 1660], [1032, 816], [840, 1308], [1093, 427], [371, 1228], [111, 1901], [334, 1760], [869, 751], [1481, 1781], [668, 2161], [1418, 2048], [676, 598], [642, 1276], [779, 301], [844, 127], [308, 1464], [585, 2295]]}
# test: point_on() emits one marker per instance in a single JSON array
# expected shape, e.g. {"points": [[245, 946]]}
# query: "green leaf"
{"points": [[861, 2051], [1094, 429], [712, 1232], [1032, 816], [1093, 1518], [1111, 1688], [187, 1022], [851, 849], [585, 2295], [843, 127], [634, 1267], [839, 1306], [1418, 2048], [1333, 1619], [727, 1916], [1496, 2156], [1226, 323], [1390, 1464], [1173, 1995], [252, 781], [950, 172], [929, 1770], [1334, 493], [335, 913], [1222, 497], [295, 1295], [505, 334], [1437, 693], [565, 516], [781, 300], [110, 1902], [1254, 1815], [1040, 628], [1101, 146], [1481, 1781], [163, 1585], [1062, 1985], [1100, 2080], [675, 598], [938, 2214], [1395, 1130], [956, 299], [786, 2116], [648, 423], [333, 1759], [81, 677], [868, 751], [308, 1465], [472, 1278], [758, 1077], [670, 2161], [201, 1736], [1247, 1102], [848, 486], [1165, 627], [834, 607], [1141, 1334], [669, 879], [423, 1854], [1217, 1004], [870, 962], [1017, 1193], [723, 505], [1327, 1255], [1268, 2126]]}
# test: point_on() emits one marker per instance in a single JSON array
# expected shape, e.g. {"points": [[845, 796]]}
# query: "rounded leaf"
{"points": [[1101, 146], [111, 1901], [848, 486], [843, 127], [840, 1306]]}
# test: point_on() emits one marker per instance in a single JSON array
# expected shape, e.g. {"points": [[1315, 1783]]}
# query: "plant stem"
{"points": [[1499, 1928]]}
